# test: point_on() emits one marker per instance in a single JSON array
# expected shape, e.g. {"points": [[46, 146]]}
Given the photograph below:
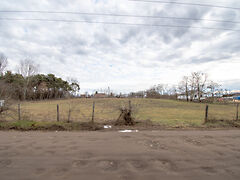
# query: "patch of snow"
{"points": [[107, 127], [128, 131]]}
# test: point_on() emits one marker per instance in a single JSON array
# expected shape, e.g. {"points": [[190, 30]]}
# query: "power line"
{"points": [[188, 4], [116, 23], [121, 15]]}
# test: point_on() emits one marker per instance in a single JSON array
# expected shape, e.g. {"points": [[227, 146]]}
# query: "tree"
{"points": [[184, 87], [27, 68], [173, 92], [152, 93], [198, 84], [3, 63], [213, 86], [13, 84], [74, 86]]}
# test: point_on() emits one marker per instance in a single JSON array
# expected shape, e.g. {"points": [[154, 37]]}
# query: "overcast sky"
{"points": [[124, 58]]}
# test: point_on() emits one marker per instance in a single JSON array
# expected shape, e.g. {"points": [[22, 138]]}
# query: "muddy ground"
{"points": [[114, 155]]}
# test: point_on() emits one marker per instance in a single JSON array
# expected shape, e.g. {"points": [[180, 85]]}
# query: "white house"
{"points": [[195, 97], [2, 103]]}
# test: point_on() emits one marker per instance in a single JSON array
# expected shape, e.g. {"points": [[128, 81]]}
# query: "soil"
{"points": [[114, 155]]}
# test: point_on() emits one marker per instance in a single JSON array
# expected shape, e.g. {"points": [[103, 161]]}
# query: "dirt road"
{"points": [[115, 155]]}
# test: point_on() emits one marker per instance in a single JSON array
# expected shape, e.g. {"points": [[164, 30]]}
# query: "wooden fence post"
{"points": [[57, 113], [237, 112], [69, 113], [206, 114], [19, 112], [93, 113], [130, 107]]}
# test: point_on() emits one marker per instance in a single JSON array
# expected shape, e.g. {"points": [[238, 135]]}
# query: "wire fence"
{"points": [[158, 111]]}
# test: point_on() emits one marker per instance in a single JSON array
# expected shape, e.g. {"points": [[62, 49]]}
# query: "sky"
{"points": [[124, 57]]}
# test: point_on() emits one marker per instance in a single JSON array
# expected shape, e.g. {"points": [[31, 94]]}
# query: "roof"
{"points": [[236, 97], [100, 95]]}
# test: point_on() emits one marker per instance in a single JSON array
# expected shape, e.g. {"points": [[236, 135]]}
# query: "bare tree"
{"points": [[173, 92], [3, 63], [213, 86], [27, 68], [192, 87], [198, 82], [159, 88], [184, 86]]}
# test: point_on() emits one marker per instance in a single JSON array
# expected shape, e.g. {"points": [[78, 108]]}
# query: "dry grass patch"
{"points": [[162, 112]]}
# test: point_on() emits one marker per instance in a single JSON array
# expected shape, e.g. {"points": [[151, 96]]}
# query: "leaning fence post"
{"points": [[93, 113], [237, 112], [206, 114], [69, 113], [19, 112], [130, 106], [57, 112]]}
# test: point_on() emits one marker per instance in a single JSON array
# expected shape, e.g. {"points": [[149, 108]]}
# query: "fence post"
{"points": [[19, 112], [69, 113], [57, 113], [130, 107], [206, 114], [237, 112], [93, 113]]}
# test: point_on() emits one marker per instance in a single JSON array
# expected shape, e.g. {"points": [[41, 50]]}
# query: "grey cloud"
{"points": [[113, 53], [129, 35], [209, 58]]}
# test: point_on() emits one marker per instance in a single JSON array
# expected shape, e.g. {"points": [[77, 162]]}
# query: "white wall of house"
{"points": [[2, 103], [195, 97]]}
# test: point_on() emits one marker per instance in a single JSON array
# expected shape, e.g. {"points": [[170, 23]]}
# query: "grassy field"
{"points": [[164, 112]]}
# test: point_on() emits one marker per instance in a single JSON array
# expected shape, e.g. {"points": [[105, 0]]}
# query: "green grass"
{"points": [[222, 124], [26, 125], [163, 112]]}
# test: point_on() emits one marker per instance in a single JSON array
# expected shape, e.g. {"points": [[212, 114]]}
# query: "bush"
{"points": [[125, 117]]}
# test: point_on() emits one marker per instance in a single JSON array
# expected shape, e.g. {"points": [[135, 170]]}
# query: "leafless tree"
{"points": [[198, 83], [173, 92], [213, 86], [27, 68], [184, 86], [152, 93], [3, 63], [159, 88]]}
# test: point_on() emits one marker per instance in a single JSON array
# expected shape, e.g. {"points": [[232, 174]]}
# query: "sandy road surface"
{"points": [[114, 155]]}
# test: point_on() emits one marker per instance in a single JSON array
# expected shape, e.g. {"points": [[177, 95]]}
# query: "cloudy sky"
{"points": [[124, 57]]}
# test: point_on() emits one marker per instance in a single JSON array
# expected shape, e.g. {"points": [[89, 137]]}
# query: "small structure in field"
{"points": [[236, 99], [2, 103], [100, 95], [83, 96]]}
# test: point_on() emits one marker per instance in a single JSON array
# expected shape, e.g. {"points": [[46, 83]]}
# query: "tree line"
{"points": [[191, 88], [197, 85], [27, 84]]}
